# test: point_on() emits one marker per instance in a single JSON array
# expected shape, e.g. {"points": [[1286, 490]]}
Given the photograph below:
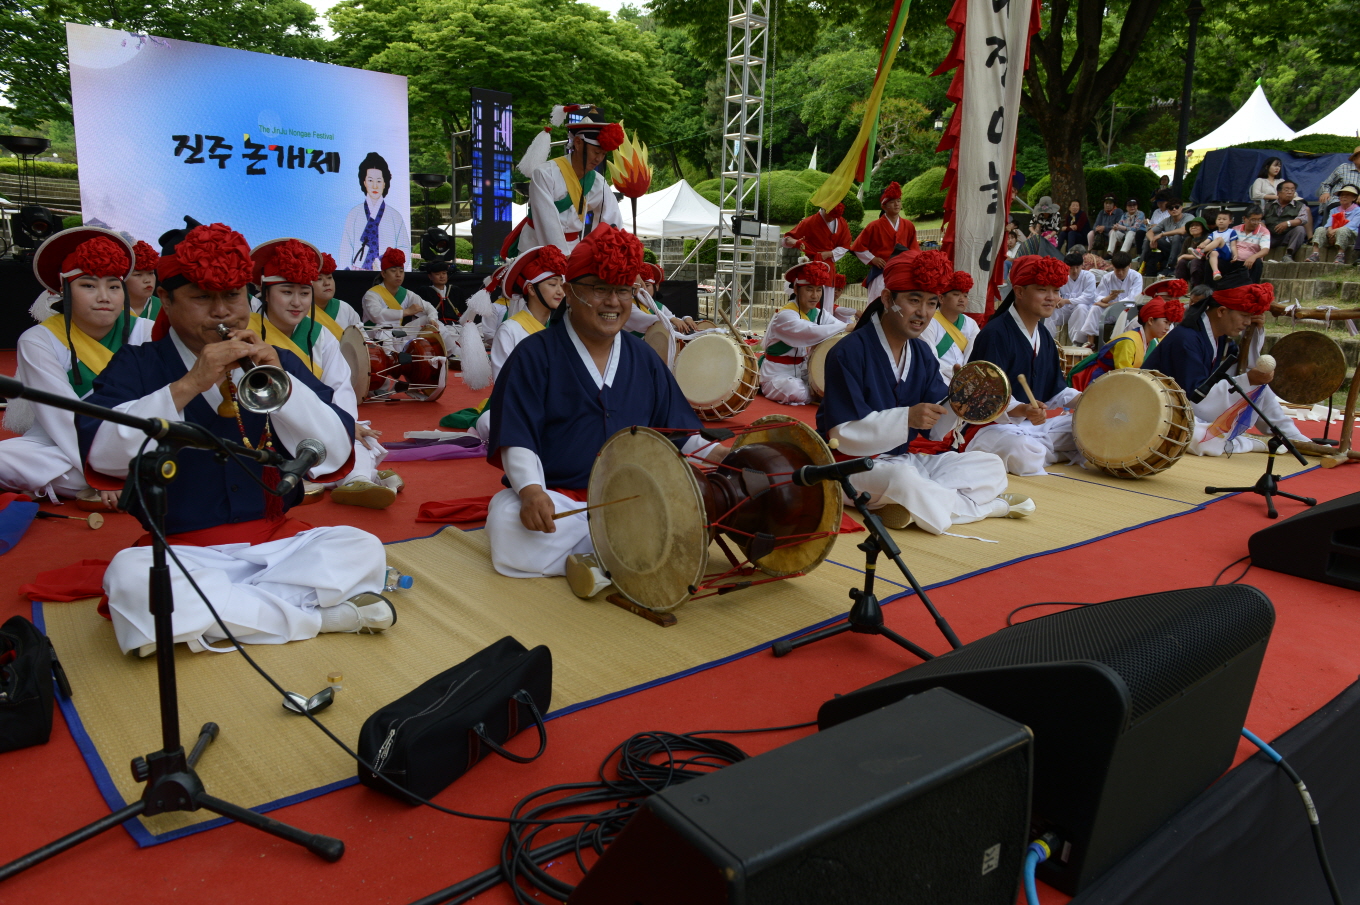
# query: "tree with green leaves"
{"points": [[33, 65]]}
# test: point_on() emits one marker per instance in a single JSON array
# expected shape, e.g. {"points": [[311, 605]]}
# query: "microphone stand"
{"points": [[1268, 485], [866, 616], [171, 783]]}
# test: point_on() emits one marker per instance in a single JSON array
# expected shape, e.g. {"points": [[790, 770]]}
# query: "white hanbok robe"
{"points": [[377, 313], [787, 383], [392, 233], [953, 357], [45, 460], [1081, 295], [563, 228]]}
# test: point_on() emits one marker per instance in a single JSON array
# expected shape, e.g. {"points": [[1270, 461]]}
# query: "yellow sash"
{"points": [[324, 319], [954, 332], [528, 322], [274, 336], [91, 352], [569, 177], [387, 297]]}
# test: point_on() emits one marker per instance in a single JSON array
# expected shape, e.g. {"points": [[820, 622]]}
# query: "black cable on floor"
{"points": [[1230, 565]]}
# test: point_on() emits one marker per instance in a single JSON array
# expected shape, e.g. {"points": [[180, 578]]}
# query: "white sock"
{"points": [[342, 617], [999, 508]]}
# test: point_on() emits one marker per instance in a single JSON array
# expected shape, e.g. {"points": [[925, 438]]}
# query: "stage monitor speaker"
{"points": [[682, 297], [926, 801], [1137, 706], [1321, 543]]}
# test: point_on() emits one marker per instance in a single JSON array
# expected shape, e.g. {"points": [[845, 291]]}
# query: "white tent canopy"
{"points": [[677, 211], [1255, 120], [1344, 120]]}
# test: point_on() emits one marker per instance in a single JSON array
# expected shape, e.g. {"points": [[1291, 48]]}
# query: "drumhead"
{"points": [[355, 352], [654, 548], [808, 555], [1121, 417], [817, 363], [709, 369], [659, 337]]}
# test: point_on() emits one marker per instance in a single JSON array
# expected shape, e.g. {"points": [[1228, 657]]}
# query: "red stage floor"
{"points": [[395, 854]]}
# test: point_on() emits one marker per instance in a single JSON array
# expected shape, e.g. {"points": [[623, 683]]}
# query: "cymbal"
{"points": [[1309, 367], [979, 392]]}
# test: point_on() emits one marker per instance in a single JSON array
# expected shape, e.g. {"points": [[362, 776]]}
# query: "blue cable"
{"points": [[1038, 853], [1255, 740]]}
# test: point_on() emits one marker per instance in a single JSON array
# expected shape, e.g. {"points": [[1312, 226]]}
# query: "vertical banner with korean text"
{"points": [[989, 58], [272, 146]]}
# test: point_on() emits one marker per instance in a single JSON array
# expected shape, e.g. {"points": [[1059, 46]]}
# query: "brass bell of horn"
{"points": [[264, 388]]}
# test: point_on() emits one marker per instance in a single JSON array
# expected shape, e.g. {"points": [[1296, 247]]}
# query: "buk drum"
{"points": [[654, 543], [718, 375], [1133, 423], [424, 365], [817, 364], [369, 364], [1073, 356]]}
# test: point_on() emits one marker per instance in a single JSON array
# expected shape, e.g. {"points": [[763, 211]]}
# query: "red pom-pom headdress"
{"points": [[1039, 270], [611, 137], [84, 250], [837, 211], [1172, 289], [811, 273], [286, 261], [327, 264], [214, 257], [534, 266], [919, 271], [595, 131], [1252, 298], [608, 253], [1171, 309], [893, 192], [962, 281], [393, 257], [652, 273], [840, 281], [145, 257]]}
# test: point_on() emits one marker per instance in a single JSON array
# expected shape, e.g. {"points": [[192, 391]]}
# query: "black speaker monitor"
{"points": [[1137, 706], [924, 801], [1321, 543]]}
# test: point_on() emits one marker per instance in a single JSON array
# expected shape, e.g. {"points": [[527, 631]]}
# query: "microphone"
{"points": [[1224, 367], [309, 453], [811, 474]]}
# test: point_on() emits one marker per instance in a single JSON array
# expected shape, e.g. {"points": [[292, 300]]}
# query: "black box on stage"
{"points": [[925, 801], [1321, 543], [1136, 705], [681, 296]]}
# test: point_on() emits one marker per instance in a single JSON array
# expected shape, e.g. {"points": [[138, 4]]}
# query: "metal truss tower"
{"points": [[748, 28]]}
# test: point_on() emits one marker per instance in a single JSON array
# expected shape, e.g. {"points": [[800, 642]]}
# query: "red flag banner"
{"points": [[989, 57]]}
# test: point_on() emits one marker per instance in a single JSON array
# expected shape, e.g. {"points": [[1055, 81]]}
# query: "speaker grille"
{"points": [[1159, 644]]}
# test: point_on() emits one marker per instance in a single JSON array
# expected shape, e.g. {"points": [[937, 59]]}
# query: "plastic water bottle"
{"points": [[395, 581]]}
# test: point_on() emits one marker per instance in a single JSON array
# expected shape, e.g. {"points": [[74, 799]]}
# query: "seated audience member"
{"points": [[951, 332], [883, 391], [1191, 352], [1253, 243], [332, 313], [1106, 220], [1075, 226], [1124, 236], [561, 395], [1266, 186], [1287, 217], [1026, 436], [1118, 291], [1165, 240], [390, 304], [437, 293], [1161, 209], [809, 318], [272, 579], [879, 240], [1074, 303], [64, 354], [1341, 226], [1191, 266], [1346, 173], [1046, 220], [1130, 348], [1222, 249]]}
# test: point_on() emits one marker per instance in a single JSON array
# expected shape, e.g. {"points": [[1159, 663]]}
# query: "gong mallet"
{"points": [[594, 506], [94, 519]]}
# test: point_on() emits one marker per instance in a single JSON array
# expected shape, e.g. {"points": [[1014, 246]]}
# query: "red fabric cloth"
{"points": [[474, 509], [74, 582], [786, 359], [811, 273], [817, 237], [7, 498], [214, 257], [880, 238], [849, 525]]}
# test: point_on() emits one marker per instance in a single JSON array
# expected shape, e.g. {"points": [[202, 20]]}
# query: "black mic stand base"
{"points": [[171, 783], [1268, 485], [866, 616]]}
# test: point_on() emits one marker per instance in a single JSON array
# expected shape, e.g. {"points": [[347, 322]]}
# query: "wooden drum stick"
{"points": [[596, 506]]}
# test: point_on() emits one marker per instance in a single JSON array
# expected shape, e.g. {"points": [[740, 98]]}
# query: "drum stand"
{"points": [[866, 616], [1268, 485], [171, 783]]}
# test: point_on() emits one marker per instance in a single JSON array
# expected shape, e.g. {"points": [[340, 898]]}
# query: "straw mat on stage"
{"points": [[267, 757]]}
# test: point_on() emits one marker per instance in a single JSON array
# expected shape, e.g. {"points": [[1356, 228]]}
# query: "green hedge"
{"points": [[440, 194], [923, 195], [1304, 144], [72, 221], [707, 255], [42, 168], [649, 256], [1125, 181], [1139, 182], [462, 248], [852, 268]]}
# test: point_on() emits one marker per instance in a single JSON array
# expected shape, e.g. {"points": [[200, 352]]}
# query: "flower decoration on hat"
{"points": [[393, 257], [892, 192], [97, 257], [214, 257], [840, 281], [837, 211], [1253, 298], [919, 271], [811, 273], [327, 264], [83, 250], [608, 253], [1171, 309], [1172, 289], [534, 266], [961, 281], [286, 261], [145, 257], [1039, 270]]}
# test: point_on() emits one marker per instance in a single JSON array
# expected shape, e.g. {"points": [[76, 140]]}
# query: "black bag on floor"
{"points": [[429, 737], [28, 663]]}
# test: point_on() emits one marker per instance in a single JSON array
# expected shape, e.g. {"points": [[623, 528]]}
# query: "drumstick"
{"points": [[1024, 385], [735, 335], [94, 519], [596, 506]]}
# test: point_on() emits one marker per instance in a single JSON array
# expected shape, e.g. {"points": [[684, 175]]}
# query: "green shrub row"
{"points": [[1125, 181], [49, 169]]}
